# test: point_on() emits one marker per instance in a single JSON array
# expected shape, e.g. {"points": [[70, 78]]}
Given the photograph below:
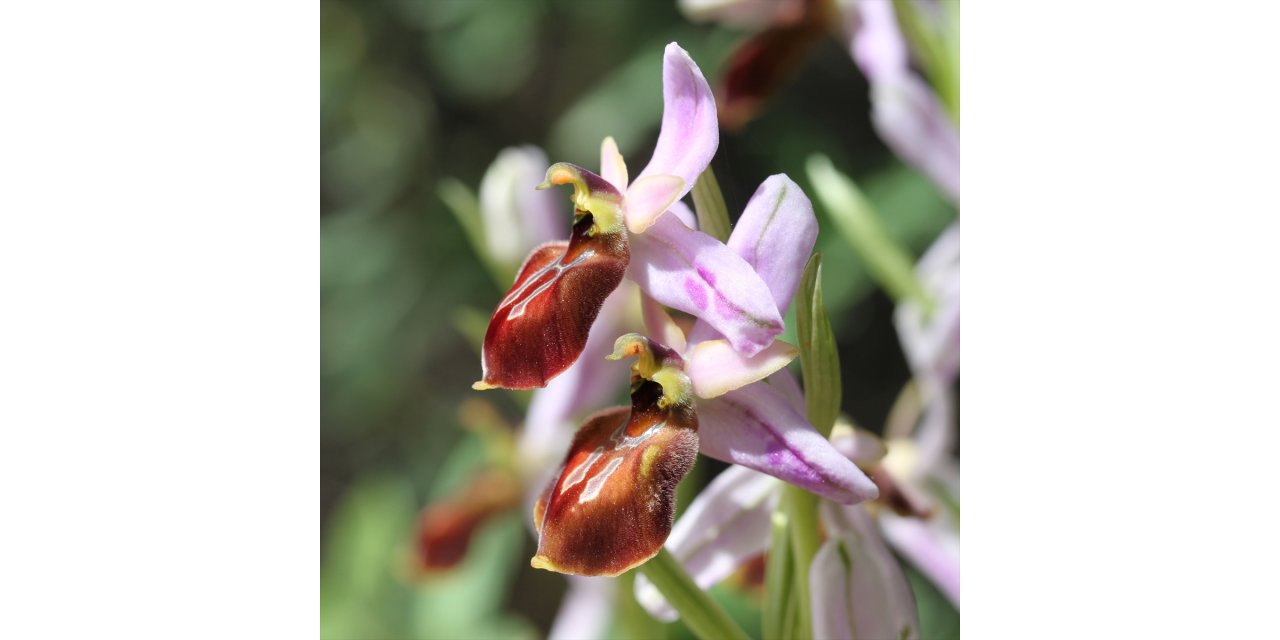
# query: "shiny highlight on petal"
{"points": [[612, 505], [542, 325]]}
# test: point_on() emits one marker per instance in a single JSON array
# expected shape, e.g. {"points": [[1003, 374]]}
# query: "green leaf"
{"points": [[859, 223], [819, 360], [708, 202]]}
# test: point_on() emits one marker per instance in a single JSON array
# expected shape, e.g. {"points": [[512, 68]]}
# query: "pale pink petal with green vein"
{"points": [[693, 272]]}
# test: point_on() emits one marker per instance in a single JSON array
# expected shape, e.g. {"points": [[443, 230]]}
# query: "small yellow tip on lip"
{"points": [[482, 386], [541, 562]]}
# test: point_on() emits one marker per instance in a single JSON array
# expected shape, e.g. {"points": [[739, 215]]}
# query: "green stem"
{"points": [[777, 580], [802, 507], [704, 616]]}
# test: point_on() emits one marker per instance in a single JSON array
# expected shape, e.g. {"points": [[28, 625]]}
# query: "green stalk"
{"points": [[703, 615], [802, 507], [708, 203], [935, 51], [777, 580]]}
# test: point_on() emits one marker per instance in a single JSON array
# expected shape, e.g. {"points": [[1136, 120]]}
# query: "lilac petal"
{"points": [[932, 345], [931, 548], [684, 213], [724, 527], [612, 167], [517, 217], [859, 590], [693, 272], [716, 368], [584, 613], [776, 234], [649, 197], [756, 427], [911, 121], [789, 387], [905, 111], [690, 132]]}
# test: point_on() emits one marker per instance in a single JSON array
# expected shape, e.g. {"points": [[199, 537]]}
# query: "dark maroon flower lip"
{"points": [[611, 506], [541, 326]]}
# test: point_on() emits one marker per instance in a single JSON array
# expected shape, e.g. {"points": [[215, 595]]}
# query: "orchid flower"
{"points": [[608, 510], [860, 592], [620, 228]]}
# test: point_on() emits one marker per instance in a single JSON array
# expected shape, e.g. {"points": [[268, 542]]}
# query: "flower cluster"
{"points": [[710, 378]]}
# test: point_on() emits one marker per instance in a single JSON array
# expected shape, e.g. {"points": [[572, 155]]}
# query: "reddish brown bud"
{"points": [[613, 502], [445, 528]]}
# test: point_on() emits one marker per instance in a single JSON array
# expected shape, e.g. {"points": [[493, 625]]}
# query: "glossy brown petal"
{"points": [[445, 528], [541, 326], [612, 505]]}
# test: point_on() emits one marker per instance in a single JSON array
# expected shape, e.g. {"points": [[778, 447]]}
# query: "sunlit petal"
{"points": [[690, 133], [756, 427], [776, 234], [693, 272], [649, 197], [716, 368], [612, 166]]}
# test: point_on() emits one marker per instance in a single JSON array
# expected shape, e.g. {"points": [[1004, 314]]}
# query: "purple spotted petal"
{"points": [[693, 272], [724, 527], [756, 427], [776, 234], [690, 132], [859, 590]]}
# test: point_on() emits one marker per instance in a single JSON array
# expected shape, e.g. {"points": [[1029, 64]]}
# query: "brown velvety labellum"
{"points": [[541, 326], [612, 505], [445, 529]]}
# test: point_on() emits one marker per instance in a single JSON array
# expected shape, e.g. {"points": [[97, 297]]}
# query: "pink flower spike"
{"points": [[693, 272], [756, 427], [690, 132]]}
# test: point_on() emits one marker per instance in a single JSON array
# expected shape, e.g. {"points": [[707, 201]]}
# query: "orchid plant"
{"points": [[711, 377]]}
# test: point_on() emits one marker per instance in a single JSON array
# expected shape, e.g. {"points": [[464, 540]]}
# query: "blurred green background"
{"points": [[413, 92]]}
